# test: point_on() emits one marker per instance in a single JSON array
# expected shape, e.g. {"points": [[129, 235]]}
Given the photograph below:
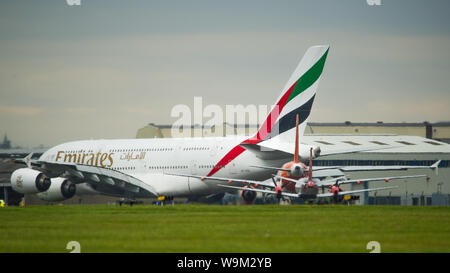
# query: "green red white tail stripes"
{"points": [[297, 98]]}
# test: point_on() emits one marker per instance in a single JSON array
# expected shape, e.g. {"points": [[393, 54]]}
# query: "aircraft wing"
{"points": [[224, 179], [101, 178], [287, 148], [355, 191], [287, 179], [288, 170], [288, 194], [333, 181], [434, 166], [342, 180], [271, 168]]}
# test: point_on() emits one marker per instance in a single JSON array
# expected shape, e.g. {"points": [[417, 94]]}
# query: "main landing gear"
{"points": [[128, 201], [162, 200]]}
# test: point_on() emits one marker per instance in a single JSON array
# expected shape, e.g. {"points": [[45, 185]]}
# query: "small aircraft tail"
{"points": [[296, 98]]}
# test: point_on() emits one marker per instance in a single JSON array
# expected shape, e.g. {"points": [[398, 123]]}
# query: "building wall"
{"points": [[404, 130], [152, 130], [441, 132]]}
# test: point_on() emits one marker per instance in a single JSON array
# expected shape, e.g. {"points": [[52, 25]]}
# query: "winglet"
{"points": [[27, 159], [435, 166]]}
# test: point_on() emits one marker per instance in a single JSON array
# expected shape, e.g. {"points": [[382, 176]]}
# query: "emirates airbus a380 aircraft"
{"points": [[144, 168]]}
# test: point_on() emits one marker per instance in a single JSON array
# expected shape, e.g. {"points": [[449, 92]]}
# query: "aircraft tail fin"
{"points": [[295, 99]]}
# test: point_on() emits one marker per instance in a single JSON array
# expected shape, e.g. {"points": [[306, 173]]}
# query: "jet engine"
{"points": [[27, 180], [248, 197], [60, 190]]}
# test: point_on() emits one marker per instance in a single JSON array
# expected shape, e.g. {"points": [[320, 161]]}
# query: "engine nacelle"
{"points": [[297, 170], [248, 197], [304, 152], [60, 190], [27, 180]]}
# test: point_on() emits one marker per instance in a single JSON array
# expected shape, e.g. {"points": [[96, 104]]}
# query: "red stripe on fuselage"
{"points": [[235, 152], [262, 133]]}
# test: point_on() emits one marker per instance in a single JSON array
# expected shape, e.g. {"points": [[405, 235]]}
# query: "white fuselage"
{"points": [[151, 159]]}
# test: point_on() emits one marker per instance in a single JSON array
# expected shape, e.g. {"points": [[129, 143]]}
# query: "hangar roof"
{"points": [[400, 143], [380, 124]]}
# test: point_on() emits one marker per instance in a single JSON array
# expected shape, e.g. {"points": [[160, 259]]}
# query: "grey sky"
{"points": [[106, 68]]}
